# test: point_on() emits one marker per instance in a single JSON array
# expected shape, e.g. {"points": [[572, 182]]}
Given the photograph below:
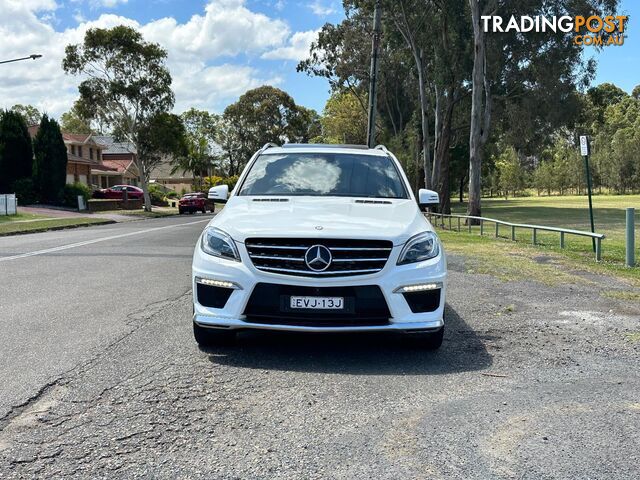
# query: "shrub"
{"points": [[172, 194], [157, 196], [25, 190], [71, 192], [215, 180]]}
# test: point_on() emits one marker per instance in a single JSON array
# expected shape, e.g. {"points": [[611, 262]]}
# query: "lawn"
{"points": [[19, 217], [16, 225], [156, 213], [569, 212]]}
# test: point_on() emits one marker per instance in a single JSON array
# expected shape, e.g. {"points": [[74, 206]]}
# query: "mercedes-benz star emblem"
{"points": [[318, 258]]}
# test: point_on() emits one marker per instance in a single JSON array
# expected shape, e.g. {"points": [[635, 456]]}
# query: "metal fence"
{"points": [[597, 237], [8, 204]]}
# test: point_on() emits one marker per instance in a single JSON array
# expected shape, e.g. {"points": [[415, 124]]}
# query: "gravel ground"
{"points": [[532, 382]]}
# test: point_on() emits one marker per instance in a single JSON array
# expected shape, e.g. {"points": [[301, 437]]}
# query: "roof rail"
{"points": [[381, 147], [324, 145], [269, 145]]}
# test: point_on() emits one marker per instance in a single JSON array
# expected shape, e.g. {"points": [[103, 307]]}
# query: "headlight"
{"points": [[421, 247], [217, 243]]}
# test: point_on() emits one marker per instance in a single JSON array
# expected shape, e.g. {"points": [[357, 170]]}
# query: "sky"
{"points": [[217, 49]]}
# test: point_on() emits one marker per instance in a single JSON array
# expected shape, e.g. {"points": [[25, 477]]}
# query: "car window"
{"points": [[116, 189], [324, 174]]}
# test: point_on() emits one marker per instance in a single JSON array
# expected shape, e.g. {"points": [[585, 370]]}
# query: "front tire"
{"points": [[212, 337], [427, 340]]}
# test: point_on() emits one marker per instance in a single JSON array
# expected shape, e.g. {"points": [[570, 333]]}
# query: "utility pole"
{"points": [[375, 43], [584, 151], [30, 57]]}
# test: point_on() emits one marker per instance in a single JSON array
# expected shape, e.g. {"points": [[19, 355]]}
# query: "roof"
{"points": [[102, 168], [76, 159], [118, 165], [379, 151], [81, 138], [113, 147], [164, 168]]}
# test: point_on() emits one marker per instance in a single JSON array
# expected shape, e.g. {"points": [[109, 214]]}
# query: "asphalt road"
{"points": [[101, 377]]}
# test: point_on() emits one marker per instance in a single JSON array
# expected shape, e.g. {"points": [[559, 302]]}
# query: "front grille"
{"points": [[364, 306], [350, 257]]}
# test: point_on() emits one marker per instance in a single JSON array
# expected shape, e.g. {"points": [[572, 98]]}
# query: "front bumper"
{"points": [[389, 279]]}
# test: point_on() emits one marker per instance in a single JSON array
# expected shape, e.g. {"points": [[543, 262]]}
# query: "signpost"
{"points": [[584, 151]]}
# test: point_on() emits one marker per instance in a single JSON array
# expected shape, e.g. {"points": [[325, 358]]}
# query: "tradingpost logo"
{"points": [[593, 30]]}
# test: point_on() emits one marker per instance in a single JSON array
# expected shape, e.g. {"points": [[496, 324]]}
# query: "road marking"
{"points": [[97, 240]]}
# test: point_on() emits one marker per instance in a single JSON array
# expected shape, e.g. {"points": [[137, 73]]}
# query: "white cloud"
{"points": [[226, 28], [108, 3], [321, 9], [297, 47]]}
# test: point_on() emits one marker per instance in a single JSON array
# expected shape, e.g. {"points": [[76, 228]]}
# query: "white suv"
{"points": [[320, 238]]}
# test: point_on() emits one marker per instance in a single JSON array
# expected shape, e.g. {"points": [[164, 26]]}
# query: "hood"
{"points": [[339, 217]]}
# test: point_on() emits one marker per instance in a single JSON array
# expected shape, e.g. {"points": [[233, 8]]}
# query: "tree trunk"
{"points": [[480, 117], [144, 184], [440, 175], [424, 111]]}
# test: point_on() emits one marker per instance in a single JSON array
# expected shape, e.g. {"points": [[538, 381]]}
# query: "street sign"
{"points": [[584, 145]]}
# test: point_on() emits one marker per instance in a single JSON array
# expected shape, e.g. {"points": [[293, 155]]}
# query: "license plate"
{"points": [[318, 303]]}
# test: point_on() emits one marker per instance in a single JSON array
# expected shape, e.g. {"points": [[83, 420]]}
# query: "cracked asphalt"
{"points": [[101, 377]]}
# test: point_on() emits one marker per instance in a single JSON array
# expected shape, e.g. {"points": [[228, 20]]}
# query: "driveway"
{"points": [[102, 378]]}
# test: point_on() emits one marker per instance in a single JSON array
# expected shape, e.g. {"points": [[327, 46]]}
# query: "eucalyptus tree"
{"points": [[127, 85]]}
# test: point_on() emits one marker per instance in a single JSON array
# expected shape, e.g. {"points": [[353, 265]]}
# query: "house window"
{"points": [[79, 150], [73, 149], [91, 153]]}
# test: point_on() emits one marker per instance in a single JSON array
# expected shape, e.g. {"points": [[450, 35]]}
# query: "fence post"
{"points": [[598, 249], [449, 223], [534, 236], [497, 229], [469, 224], [561, 239], [458, 224], [481, 227], [513, 233], [630, 260]]}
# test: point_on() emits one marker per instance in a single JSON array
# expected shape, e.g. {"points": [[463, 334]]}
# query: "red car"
{"points": [[194, 202], [117, 192]]}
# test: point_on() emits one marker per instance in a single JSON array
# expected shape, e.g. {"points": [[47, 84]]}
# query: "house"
{"points": [[178, 181], [118, 164], [83, 153]]}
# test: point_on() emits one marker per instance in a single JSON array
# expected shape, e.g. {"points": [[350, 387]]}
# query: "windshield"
{"points": [[324, 174]]}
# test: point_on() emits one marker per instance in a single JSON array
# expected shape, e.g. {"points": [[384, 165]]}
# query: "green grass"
{"points": [[568, 212], [19, 217], [156, 213], [12, 228]]}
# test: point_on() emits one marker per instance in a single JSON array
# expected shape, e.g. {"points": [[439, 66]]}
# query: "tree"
{"points": [[262, 115], [50, 160], [127, 86], [29, 113], [162, 135], [202, 149], [511, 175], [16, 153], [343, 120], [74, 121]]}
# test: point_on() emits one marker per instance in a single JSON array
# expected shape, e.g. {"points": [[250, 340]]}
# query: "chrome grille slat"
{"points": [[342, 260], [309, 272], [350, 256]]}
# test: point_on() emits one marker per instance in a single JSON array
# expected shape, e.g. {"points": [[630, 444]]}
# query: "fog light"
{"points": [[218, 283], [422, 287]]}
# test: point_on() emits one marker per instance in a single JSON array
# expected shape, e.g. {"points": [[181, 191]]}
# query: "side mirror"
{"points": [[219, 193], [428, 197]]}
